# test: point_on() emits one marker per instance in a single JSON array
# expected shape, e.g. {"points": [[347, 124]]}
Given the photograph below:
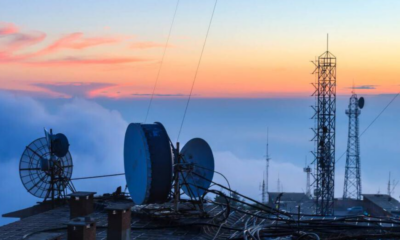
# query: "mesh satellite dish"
{"points": [[148, 163], [46, 166], [361, 102], [198, 154]]}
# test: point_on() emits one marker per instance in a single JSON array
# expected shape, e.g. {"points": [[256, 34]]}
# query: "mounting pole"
{"points": [[176, 180], [267, 174], [389, 192], [327, 42], [307, 170], [52, 170]]}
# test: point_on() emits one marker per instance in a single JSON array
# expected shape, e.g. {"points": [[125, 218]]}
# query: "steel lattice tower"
{"points": [[325, 117], [352, 178]]}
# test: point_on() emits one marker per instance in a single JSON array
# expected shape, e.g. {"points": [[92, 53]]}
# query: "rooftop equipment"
{"points": [[156, 171], [45, 167]]}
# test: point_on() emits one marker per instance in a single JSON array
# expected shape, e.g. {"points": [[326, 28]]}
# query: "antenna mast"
{"points": [[263, 199], [279, 184], [325, 117], [391, 185], [267, 166], [352, 179], [388, 188], [307, 170]]}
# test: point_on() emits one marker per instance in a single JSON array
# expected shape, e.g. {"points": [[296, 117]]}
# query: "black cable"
{"points": [[197, 70], [101, 176], [315, 236], [143, 228], [222, 175], [227, 205], [264, 207], [162, 61]]}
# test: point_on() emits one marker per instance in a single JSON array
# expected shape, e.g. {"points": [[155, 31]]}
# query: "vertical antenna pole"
{"points": [[267, 167], [52, 170], [327, 42], [389, 193], [176, 180]]}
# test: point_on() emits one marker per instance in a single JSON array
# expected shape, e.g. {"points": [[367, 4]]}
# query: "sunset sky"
{"points": [[255, 49], [87, 69]]}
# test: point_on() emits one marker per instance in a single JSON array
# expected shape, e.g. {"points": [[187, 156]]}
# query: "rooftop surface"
{"points": [[55, 222], [289, 196], [160, 221], [384, 201]]}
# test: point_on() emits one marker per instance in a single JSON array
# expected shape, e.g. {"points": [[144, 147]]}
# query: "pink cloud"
{"points": [[146, 45], [77, 89], [78, 42], [87, 61], [7, 28], [13, 41], [18, 41]]}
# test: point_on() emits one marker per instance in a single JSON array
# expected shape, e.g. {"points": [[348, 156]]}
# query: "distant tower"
{"points": [[279, 184], [325, 117], [388, 188], [352, 177], [264, 185], [391, 185], [263, 195], [267, 159], [307, 170]]}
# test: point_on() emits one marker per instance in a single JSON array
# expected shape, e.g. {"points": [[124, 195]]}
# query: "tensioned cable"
{"points": [[373, 121], [101, 176], [197, 70], [162, 61]]}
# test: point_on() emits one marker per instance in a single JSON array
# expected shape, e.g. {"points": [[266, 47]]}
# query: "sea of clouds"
{"points": [[235, 130]]}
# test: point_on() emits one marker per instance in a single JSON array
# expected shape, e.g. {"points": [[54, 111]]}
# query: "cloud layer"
{"points": [[96, 136], [365, 87]]}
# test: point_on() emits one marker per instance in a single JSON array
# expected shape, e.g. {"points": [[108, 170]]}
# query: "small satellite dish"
{"points": [[197, 152], [58, 143], [148, 163], [42, 172], [361, 102]]}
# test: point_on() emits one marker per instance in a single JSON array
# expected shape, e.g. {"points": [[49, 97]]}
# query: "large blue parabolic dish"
{"points": [[197, 152], [148, 163]]}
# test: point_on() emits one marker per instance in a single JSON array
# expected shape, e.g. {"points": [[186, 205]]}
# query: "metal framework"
{"points": [[325, 117], [352, 179]]}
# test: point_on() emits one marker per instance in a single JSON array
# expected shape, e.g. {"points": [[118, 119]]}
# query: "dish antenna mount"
{"points": [[156, 171], [45, 167]]}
